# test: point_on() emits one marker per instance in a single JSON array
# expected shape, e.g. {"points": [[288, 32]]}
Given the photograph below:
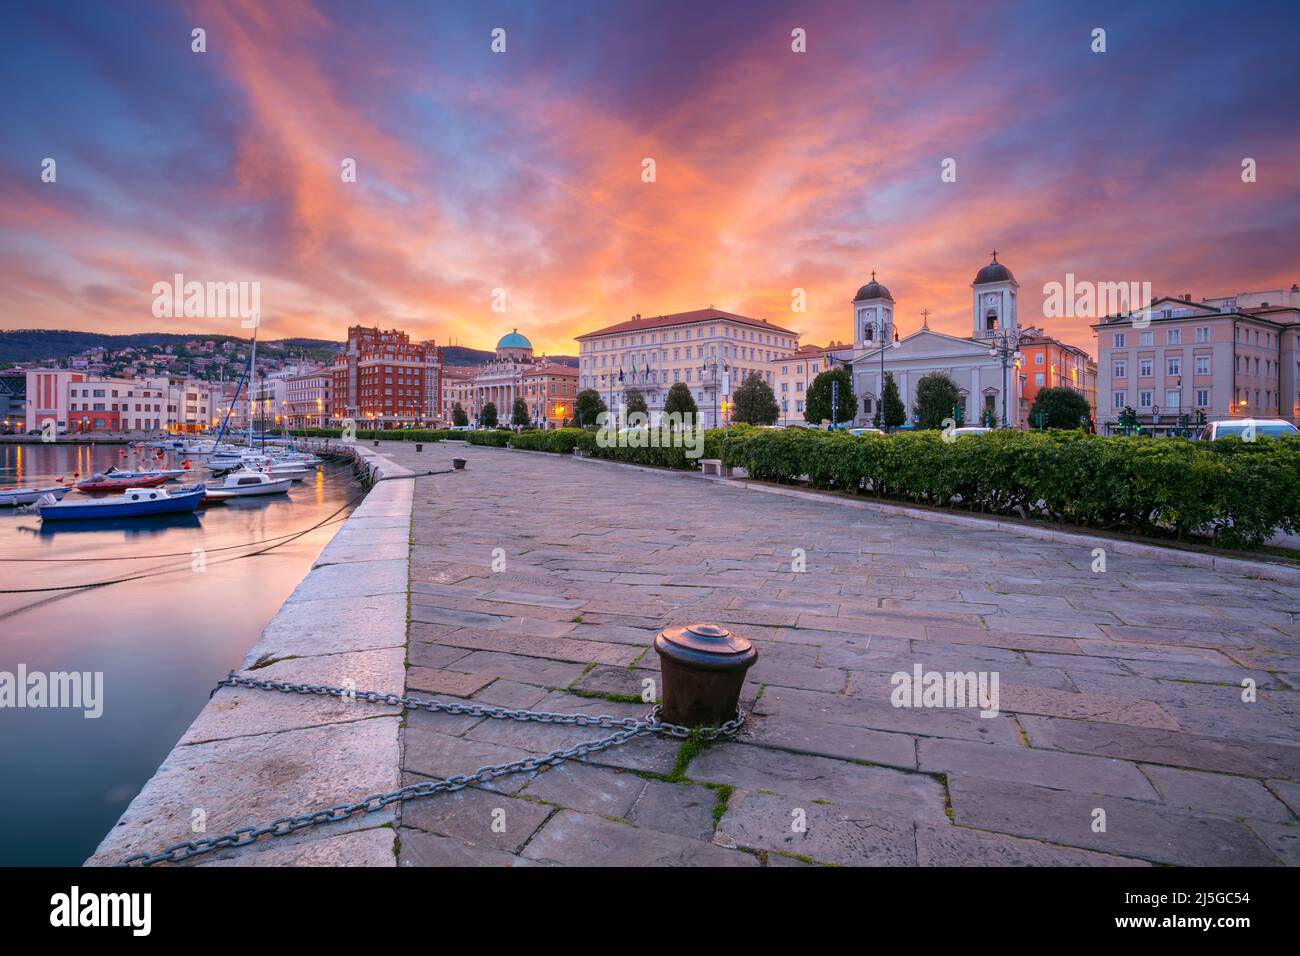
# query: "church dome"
{"points": [[873, 290], [514, 341], [994, 272]]}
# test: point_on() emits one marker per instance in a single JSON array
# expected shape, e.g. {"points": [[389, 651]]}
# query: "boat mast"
{"points": [[252, 383]]}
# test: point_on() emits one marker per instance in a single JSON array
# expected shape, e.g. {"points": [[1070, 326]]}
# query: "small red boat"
{"points": [[110, 483]]}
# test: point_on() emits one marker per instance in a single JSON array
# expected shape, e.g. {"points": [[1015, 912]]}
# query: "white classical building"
{"points": [[983, 365], [708, 350]]}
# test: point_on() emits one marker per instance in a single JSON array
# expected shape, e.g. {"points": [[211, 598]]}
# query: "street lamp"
{"points": [[713, 365], [1006, 344], [879, 327]]}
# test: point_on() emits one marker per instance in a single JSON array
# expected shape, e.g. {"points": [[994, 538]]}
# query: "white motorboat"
{"points": [[10, 497], [281, 467], [145, 472], [245, 483]]}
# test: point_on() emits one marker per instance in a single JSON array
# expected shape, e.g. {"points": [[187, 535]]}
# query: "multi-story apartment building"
{"points": [[549, 391], [706, 349], [1051, 363], [795, 372], [457, 389], [308, 397], [384, 379], [78, 402], [13, 401], [1230, 357]]}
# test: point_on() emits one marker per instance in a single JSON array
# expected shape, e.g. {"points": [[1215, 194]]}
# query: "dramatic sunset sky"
{"points": [[522, 170]]}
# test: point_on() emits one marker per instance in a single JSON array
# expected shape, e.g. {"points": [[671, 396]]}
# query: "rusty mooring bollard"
{"points": [[419, 447], [458, 463], [704, 667]]}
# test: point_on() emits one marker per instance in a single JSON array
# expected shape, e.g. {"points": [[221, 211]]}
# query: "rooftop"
{"points": [[639, 324]]}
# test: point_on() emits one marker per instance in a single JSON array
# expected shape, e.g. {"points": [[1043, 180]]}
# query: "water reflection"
{"points": [[161, 641]]}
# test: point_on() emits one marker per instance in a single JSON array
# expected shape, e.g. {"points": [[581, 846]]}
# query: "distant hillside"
{"points": [[464, 357], [30, 345], [458, 356], [34, 345]]}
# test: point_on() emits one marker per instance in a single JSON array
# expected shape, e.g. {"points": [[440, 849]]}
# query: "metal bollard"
{"points": [[419, 447], [704, 667], [458, 463]]}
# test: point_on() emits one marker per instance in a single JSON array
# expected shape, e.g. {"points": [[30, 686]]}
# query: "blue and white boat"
{"points": [[132, 503]]}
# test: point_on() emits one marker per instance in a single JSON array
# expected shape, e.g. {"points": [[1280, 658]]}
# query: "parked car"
{"points": [[866, 430], [971, 430], [1241, 428]]}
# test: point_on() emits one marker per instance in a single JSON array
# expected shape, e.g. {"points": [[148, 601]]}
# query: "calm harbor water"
{"points": [[161, 642]]}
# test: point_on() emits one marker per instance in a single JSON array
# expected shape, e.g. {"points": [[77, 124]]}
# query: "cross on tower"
{"points": [[873, 275], [995, 255], [925, 318]]}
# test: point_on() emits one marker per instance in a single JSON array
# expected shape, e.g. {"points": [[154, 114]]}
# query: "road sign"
{"points": [[726, 383]]}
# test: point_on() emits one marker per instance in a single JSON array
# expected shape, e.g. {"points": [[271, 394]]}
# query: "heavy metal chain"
{"points": [[625, 729]]}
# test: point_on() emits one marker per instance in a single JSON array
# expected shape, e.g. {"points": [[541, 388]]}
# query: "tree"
{"points": [[817, 404], [587, 407], [458, 415], [891, 405], [754, 402], [936, 396], [679, 400], [519, 414], [634, 401], [1062, 407], [488, 416]]}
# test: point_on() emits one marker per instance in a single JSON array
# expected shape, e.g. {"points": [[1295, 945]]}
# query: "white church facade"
{"points": [[984, 365]]}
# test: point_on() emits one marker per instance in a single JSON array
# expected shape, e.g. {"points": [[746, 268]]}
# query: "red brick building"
{"points": [[384, 379]]}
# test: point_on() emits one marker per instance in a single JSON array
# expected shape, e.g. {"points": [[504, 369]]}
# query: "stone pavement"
{"points": [[1122, 736]]}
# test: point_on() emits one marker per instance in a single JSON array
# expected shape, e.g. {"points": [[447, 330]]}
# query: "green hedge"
{"points": [[383, 434], [1234, 492]]}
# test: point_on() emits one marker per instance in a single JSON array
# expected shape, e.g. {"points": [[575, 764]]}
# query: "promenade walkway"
{"points": [[1122, 736]]}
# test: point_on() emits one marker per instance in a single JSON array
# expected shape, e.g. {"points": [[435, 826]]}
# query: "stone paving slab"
{"points": [[581, 839], [259, 778], [1119, 691]]}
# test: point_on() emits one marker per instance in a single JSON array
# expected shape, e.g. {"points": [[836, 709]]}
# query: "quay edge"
{"points": [[251, 757]]}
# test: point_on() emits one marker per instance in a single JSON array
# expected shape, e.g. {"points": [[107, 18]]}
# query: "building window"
{"points": [[1121, 369], [1174, 366], [1146, 338], [1038, 358], [1202, 365], [1173, 336], [1120, 340], [1202, 333], [1144, 367], [1144, 400]]}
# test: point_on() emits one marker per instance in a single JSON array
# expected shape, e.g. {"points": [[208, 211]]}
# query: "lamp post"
{"points": [[881, 336], [713, 366], [1006, 344]]}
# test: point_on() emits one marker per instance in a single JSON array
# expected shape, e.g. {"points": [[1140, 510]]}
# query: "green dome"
{"points": [[514, 341]]}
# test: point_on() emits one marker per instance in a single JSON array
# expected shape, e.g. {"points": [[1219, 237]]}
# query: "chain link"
{"points": [[625, 729]]}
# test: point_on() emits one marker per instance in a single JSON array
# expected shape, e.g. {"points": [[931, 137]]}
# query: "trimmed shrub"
{"points": [[1237, 493]]}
